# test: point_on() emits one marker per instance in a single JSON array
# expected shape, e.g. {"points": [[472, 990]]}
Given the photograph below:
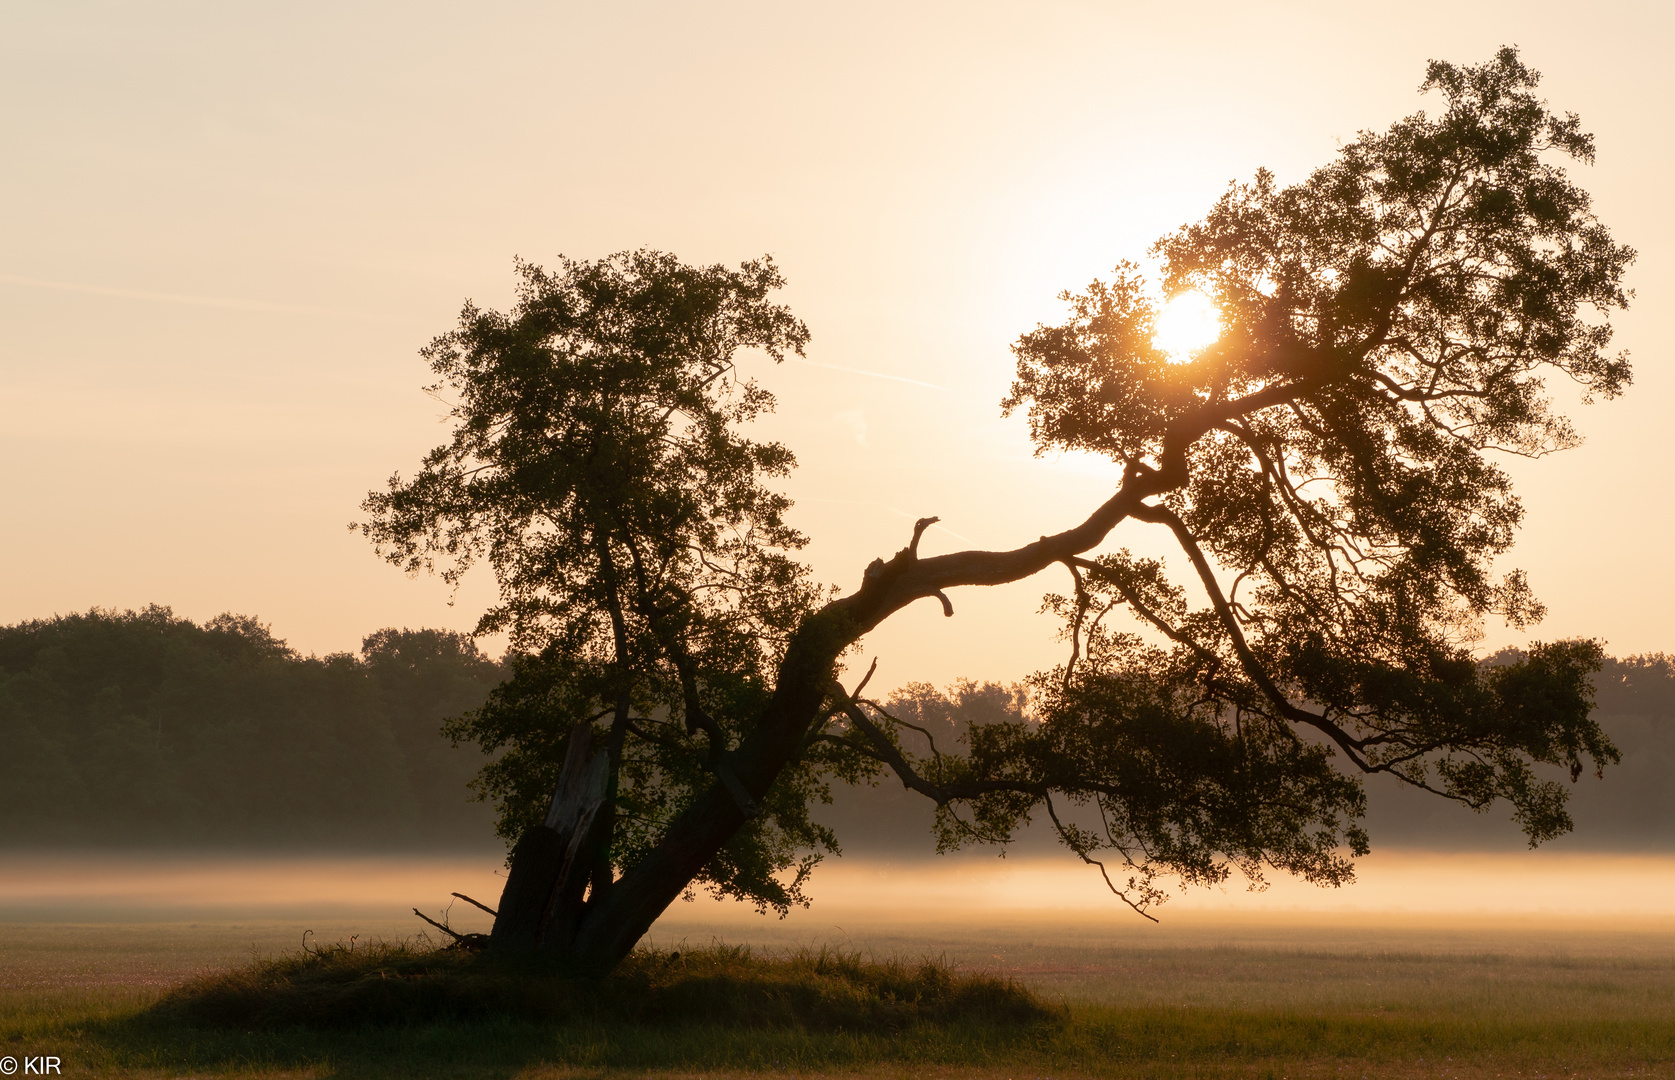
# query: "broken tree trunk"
{"points": [[542, 902]]}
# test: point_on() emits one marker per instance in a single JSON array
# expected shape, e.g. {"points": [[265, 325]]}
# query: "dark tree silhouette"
{"points": [[143, 728], [1324, 469]]}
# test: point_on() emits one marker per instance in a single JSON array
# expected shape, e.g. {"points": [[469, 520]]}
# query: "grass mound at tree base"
{"points": [[386, 984]]}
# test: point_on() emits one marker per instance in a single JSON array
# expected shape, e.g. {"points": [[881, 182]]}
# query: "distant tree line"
{"points": [[1632, 808], [141, 727]]}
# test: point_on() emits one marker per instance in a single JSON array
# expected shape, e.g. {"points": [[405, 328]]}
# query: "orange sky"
{"points": [[227, 230]]}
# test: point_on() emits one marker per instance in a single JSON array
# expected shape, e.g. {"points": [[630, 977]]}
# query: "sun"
{"points": [[1188, 323]]}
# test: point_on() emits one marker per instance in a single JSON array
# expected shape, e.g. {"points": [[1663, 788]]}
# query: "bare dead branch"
{"points": [[919, 528]]}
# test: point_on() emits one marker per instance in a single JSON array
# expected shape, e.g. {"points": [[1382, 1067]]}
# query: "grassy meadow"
{"points": [[1204, 996]]}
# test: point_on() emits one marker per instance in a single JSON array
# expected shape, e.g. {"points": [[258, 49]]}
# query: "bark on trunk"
{"points": [[609, 930], [542, 902], [541, 909]]}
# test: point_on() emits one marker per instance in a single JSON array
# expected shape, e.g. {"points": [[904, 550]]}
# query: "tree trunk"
{"points": [[542, 901], [542, 909], [609, 929]]}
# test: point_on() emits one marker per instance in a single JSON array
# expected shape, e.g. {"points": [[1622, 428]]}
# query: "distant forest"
{"points": [[1632, 809], [142, 728], [145, 728]]}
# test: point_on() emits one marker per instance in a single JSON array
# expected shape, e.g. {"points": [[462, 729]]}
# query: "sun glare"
{"points": [[1187, 323]]}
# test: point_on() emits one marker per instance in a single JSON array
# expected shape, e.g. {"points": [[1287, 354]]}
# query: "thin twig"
{"points": [[439, 926]]}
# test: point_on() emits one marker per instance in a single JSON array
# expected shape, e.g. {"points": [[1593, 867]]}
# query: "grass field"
{"points": [[1204, 997], [1585, 988]]}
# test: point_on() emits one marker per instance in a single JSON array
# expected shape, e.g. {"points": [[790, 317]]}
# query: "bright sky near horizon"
{"points": [[228, 229]]}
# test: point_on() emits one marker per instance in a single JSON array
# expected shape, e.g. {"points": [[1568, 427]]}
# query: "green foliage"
{"points": [[1324, 469], [1632, 809], [643, 564], [141, 726], [343, 986]]}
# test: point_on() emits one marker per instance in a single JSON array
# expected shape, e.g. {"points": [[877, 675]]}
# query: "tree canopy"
{"points": [[1634, 702], [645, 573], [1325, 469]]}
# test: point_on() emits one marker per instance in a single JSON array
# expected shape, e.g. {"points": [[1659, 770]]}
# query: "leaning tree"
{"points": [[1326, 469]]}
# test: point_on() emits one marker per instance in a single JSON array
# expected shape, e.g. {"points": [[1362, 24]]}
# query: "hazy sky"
{"points": [[227, 228]]}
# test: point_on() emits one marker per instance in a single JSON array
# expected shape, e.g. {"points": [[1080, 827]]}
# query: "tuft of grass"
{"points": [[732, 986], [1207, 1011]]}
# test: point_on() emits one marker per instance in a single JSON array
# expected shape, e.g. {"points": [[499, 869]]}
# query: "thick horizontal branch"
{"points": [[887, 587]]}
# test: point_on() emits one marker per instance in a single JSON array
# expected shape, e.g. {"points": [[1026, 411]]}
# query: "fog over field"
{"points": [[961, 890], [1480, 965]]}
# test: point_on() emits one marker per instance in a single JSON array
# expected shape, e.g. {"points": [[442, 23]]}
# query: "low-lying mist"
{"points": [[966, 889]]}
